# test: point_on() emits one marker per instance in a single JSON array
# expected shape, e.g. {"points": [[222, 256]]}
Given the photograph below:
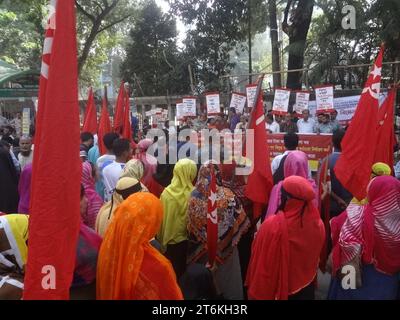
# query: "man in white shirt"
{"points": [[111, 173], [306, 125], [291, 141], [25, 155], [271, 124]]}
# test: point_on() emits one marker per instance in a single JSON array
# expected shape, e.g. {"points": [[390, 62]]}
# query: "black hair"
{"points": [[270, 116], [337, 138], [291, 141], [120, 146], [109, 139], [86, 136]]}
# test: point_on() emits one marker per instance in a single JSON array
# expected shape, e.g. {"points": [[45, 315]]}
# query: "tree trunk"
{"points": [[88, 44], [273, 25], [297, 32]]}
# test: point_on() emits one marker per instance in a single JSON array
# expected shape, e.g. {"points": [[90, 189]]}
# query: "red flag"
{"points": [[127, 129], [353, 168], [119, 110], [104, 126], [90, 122], [55, 191], [260, 181], [324, 207], [386, 138], [212, 219]]}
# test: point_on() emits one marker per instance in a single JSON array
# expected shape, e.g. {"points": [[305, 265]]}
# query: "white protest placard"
{"points": [[251, 91], [281, 101], [302, 100], [238, 101], [180, 111], [189, 106], [26, 121], [324, 99], [148, 113], [158, 110], [212, 101]]}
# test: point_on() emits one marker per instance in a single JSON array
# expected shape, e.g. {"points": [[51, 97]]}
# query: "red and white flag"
{"points": [[212, 219], [353, 168], [260, 181], [55, 192]]}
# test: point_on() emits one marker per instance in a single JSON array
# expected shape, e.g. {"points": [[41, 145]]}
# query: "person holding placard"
{"points": [[306, 124]]}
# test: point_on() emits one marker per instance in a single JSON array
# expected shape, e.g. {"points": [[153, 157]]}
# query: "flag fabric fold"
{"points": [[212, 219], [260, 181], [127, 129], [104, 126], [119, 110], [90, 121], [386, 137], [353, 168], [55, 192]]}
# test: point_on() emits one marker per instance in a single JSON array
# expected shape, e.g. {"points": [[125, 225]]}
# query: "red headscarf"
{"points": [[373, 231], [295, 234]]}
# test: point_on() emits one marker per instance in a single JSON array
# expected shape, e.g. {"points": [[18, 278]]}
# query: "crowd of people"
{"points": [[143, 232]]}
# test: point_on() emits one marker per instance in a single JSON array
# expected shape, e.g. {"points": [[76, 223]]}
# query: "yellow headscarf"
{"points": [[133, 169], [381, 169], [106, 212], [175, 199], [16, 229], [378, 169]]}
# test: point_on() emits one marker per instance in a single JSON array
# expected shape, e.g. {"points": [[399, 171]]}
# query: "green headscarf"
{"points": [[175, 199]]}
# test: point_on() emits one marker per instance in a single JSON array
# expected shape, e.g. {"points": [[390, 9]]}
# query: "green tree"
{"points": [[152, 60], [21, 27], [216, 27]]}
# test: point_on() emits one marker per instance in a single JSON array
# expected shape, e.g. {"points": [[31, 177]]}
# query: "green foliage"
{"points": [[153, 62], [216, 28], [21, 25]]}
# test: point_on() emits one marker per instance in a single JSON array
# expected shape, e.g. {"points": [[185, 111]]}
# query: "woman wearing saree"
{"points": [[369, 242], [94, 202], [285, 253], [232, 224], [175, 198], [296, 164], [129, 267], [24, 189]]}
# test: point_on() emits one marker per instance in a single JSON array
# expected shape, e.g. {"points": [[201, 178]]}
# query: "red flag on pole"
{"points": [[90, 122], [127, 129], [55, 192], [104, 125], [260, 181], [353, 168], [386, 138], [119, 110], [212, 219]]}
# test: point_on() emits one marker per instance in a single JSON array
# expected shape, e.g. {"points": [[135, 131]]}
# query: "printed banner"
{"points": [[324, 99], [302, 100], [345, 106], [180, 111], [315, 146], [281, 101], [189, 106], [213, 106], [26, 121], [238, 101], [251, 91]]}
